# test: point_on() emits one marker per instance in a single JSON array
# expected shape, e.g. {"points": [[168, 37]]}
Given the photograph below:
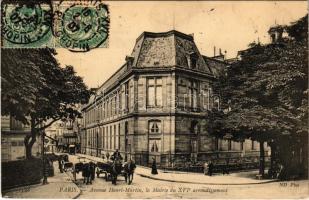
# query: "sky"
{"points": [[230, 26]]}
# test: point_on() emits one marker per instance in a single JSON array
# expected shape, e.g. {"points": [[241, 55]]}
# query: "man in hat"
{"points": [[116, 155]]}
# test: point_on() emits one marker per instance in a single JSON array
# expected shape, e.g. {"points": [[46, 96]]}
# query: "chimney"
{"points": [[214, 51], [220, 53]]}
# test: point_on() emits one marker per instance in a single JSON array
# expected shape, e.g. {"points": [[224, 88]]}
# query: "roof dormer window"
{"points": [[192, 60], [129, 60]]}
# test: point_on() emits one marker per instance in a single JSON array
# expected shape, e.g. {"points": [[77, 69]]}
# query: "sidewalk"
{"points": [[59, 186], [238, 178]]}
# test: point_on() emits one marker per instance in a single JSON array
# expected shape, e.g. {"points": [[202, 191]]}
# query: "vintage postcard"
{"points": [[154, 99]]}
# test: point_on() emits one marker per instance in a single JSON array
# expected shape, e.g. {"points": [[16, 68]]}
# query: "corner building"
{"points": [[155, 105]]}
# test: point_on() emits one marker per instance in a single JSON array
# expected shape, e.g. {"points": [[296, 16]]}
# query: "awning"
{"points": [[71, 145]]}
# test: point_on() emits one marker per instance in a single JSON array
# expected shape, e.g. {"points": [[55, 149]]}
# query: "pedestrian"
{"points": [[226, 166], [92, 171], [116, 156], [210, 168], [206, 168], [154, 167], [60, 164], [86, 173]]}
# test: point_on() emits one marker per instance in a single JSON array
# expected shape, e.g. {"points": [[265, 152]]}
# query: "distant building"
{"points": [[13, 133], [155, 105], [66, 133]]}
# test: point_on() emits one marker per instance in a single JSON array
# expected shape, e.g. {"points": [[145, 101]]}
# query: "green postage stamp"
{"points": [[75, 25]]}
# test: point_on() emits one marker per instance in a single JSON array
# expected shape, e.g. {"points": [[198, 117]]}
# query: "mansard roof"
{"points": [[159, 50], [166, 49]]}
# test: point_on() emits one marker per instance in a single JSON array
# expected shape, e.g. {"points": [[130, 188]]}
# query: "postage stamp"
{"points": [[81, 26], [75, 25], [26, 24]]}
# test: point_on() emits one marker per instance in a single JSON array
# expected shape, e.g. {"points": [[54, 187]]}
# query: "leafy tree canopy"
{"points": [[37, 91], [33, 84], [267, 89]]}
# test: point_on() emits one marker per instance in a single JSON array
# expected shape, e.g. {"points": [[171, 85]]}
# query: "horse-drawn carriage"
{"points": [[64, 163], [112, 170], [104, 168]]}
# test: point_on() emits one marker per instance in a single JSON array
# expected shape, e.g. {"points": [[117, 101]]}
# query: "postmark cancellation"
{"points": [[76, 25]]}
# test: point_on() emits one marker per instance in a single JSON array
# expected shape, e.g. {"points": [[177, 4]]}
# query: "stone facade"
{"points": [[13, 134], [155, 105]]}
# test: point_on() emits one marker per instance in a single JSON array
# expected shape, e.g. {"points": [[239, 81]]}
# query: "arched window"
{"points": [[154, 147], [194, 127], [154, 126]]}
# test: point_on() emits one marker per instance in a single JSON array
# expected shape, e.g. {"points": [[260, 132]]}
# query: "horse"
{"points": [[79, 167], [116, 169], [129, 168]]}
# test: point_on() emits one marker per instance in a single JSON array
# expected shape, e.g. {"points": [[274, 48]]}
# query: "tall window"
{"points": [[115, 137], [110, 137], [131, 94], [216, 143], [118, 138], [241, 146], [154, 146], [193, 146], [101, 111], [154, 127], [89, 139], [107, 138], [104, 110], [192, 60], [114, 105], [126, 93], [193, 94], [107, 108], [103, 138], [110, 107], [229, 145], [194, 127], [252, 145], [119, 101], [154, 92], [217, 102]]}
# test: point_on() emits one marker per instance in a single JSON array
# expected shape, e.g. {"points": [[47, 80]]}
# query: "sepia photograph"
{"points": [[154, 99]]}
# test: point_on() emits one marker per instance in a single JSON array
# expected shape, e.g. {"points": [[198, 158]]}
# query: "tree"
{"points": [[37, 91], [267, 91]]}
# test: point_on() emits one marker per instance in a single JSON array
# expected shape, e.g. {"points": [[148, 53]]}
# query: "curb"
{"points": [[201, 183], [79, 191]]}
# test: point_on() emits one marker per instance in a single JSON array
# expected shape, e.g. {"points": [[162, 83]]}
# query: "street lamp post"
{"points": [[44, 159], [98, 123], [97, 137]]}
